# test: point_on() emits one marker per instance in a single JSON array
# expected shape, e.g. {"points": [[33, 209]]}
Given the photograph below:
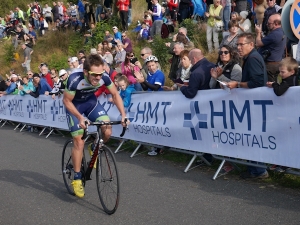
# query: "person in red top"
{"points": [[123, 6], [46, 74], [173, 6]]}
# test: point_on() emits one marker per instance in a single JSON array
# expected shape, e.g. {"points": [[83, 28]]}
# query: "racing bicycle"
{"points": [[107, 177]]}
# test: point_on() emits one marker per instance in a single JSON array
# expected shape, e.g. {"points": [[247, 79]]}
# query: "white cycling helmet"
{"points": [[151, 58]]}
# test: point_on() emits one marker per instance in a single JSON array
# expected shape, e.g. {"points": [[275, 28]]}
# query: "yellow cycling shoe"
{"points": [[78, 188]]}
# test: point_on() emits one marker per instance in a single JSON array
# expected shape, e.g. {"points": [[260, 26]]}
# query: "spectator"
{"points": [[128, 69], [123, 6], [75, 62], [245, 23], [108, 37], [30, 76], [89, 33], [11, 86], [253, 75], [58, 86], [126, 42], [63, 76], [81, 9], [45, 74], [117, 35], [272, 46], [27, 86], [226, 13], [47, 14], [106, 54], [199, 76], [288, 69], [120, 56], [27, 56], [3, 85], [32, 35], [41, 87], [272, 9], [20, 14], [172, 8], [239, 5], [178, 48], [144, 32], [231, 38], [183, 10], [214, 14], [183, 73], [55, 12], [157, 18], [126, 90], [145, 52], [155, 79], [227, 68]]}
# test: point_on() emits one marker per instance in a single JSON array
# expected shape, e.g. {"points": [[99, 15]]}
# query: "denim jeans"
{"points": [[129, 17], [183, 14], [256, 170], [98, 12], [138, 87], [226, 16], [212, 36]]}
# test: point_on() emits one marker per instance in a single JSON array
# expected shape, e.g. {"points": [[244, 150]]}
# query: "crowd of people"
{"points": [[245, 59]]}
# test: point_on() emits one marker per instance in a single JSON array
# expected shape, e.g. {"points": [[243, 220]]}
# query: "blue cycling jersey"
{"points": [[80, 87]]}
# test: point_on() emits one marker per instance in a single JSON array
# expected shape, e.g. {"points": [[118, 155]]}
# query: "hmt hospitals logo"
{"points": [[201, 120]]}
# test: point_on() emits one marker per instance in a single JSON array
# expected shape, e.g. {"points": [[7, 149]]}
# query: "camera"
{"points": [[265, 54], [133, 60]]}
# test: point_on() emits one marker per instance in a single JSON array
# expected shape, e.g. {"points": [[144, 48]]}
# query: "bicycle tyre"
{"points": [[67, 167], [107, 179]]}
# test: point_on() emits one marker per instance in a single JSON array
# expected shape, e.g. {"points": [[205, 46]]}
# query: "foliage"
{"points": [[160, 50], [57, 62], [8, 52]]}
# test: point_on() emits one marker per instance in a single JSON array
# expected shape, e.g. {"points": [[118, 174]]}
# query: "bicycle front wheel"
{"points": [[108, 180]]}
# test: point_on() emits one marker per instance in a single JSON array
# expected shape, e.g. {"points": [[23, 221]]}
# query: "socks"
{"points": [[77, 176]]}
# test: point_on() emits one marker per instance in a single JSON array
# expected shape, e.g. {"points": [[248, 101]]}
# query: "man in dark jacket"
{"points": [[254, 75], [200, 74], [41, 86]]}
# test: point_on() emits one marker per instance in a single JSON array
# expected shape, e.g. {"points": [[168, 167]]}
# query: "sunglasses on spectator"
{"points": [[96, 74], [53, 77], [144, 54], [223, 52]]}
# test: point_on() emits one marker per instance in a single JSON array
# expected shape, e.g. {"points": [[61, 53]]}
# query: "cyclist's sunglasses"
{"points": [[95, 74]]}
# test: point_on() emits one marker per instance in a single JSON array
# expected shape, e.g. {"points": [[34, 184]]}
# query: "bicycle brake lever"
{"points": [[124, 128], [85, 131]]}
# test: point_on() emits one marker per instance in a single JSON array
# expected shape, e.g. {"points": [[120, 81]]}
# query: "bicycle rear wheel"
{"points": [[67, 166], [108, 180]]}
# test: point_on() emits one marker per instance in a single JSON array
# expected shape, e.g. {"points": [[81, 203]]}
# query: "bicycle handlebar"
{"points": [[101, 123]]}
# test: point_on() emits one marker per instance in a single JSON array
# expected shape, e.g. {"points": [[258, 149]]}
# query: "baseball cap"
{"points": [[93, 51], [13, 76], [115, 28], [62, 72], [74, 59]]}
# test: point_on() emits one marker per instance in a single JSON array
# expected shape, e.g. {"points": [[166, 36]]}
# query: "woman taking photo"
{"points": [[228, 68], [214, 15], [231, 38], [128, 69]]}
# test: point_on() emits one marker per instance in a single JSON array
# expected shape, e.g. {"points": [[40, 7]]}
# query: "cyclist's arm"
{"points": [[67, 100]]}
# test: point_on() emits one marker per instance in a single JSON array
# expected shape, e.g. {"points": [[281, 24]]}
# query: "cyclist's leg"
{"points": [[76, 133], [98, 113]]}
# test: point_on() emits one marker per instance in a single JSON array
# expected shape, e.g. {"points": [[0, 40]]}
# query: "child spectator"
{"points": [[144, 32], [27, 86], [288, 69], [126, 90]]}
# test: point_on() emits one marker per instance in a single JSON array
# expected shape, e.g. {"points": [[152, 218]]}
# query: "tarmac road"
{"points": [[153, 191]]}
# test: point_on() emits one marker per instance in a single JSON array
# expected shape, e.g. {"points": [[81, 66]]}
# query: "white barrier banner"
{"points": [[252, 124]]}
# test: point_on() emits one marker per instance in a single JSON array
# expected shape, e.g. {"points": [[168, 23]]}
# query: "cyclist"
{"points": [[79, 99]]}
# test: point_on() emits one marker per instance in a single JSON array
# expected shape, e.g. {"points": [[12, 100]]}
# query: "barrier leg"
{"points": [[42, 131], [50, 132], [23, 127], [219, 169], [5, 121], [17, 126], [190, 163], [120, 145], [136, 149]]}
